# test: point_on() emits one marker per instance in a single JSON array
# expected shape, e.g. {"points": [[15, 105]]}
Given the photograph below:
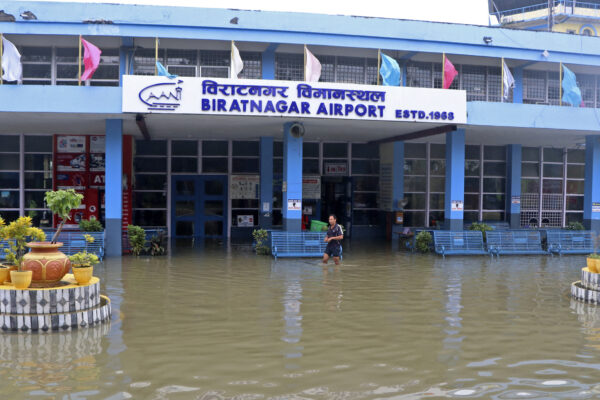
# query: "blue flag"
{"points": [[162, 71], [571, 93], [390, 71]]}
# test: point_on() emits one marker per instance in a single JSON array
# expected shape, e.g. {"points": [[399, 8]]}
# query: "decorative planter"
{"points": [[21, 279], [591, 264], [47, 264], [83, 274], [596, 268], [4, 274], [10, 268]]}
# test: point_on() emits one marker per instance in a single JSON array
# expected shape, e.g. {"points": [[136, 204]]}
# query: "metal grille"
{"points": [[551, 219], [494, 85], [214, 72], [529, 219], [473, 81], [215, 58], [289, 67], [350, 70], [553, 90], [252, 65], [587, 84], [530, 202], [327, 68], [144, 61], [371, 78], [182, 57], [418, 74], [534, 86], [552, 202], [181, 70]]}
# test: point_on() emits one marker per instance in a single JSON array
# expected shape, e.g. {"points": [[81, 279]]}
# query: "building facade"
{"points": [[216, 157]]}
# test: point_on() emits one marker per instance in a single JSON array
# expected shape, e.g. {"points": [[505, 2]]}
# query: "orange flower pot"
{"points": [[47, 264]]}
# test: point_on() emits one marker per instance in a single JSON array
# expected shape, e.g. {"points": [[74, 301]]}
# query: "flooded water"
{"points": [[223, 323]]}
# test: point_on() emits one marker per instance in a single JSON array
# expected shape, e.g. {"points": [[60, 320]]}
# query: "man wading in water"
{"points": [[333, 239]]}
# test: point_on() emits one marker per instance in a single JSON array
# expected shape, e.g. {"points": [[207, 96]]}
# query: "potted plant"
{"points": [[82, 263], [137, 238], [423, 241], [592, 262], [46, 262], [260, 237], [18, 233]]}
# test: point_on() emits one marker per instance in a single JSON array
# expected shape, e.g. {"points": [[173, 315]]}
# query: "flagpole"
{"points": [[443, 67], [1, 43], [378, 64], [502, 82], [305, 62], [560, 84], [155, 55], [79, 63]]}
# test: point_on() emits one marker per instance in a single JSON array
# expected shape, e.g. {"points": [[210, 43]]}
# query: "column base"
{"points": [[514, 220], [265, 222], [592, 225], [113, 237], [292, 225], [454, 224]]}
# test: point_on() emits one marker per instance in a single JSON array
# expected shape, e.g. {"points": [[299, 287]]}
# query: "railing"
{"points": [[542, 6]]}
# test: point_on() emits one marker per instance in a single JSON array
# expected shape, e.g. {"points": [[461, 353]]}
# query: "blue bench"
{"points": [[514, 242], [301, 244], [458, 243], [570, 242], [74, 242]]}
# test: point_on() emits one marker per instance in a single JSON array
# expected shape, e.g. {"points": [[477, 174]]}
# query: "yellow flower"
{"points": [[89, 238]]}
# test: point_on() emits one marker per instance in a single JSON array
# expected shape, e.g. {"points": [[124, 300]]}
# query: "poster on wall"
{"points": [[97, 162], [70, 162], [71, 180], [70, 144], [294, 205], [244, 186], [336, 168], [457, 205], [311, 187], [97, 144]]}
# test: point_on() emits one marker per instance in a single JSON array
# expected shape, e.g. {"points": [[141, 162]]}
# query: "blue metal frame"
{"points": [[199, 197]]}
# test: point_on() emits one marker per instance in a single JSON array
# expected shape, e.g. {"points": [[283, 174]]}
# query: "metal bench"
{"points": [[302, 244], [570, 242], [458, 243], [514, 242]]}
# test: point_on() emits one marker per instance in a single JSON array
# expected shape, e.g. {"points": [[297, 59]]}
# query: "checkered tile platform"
{"points": [[588, 288]]}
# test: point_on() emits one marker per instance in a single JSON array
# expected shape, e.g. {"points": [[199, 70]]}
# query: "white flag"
{"points": [[313, 68], [509, 81], [237, 65], [11, 62]]}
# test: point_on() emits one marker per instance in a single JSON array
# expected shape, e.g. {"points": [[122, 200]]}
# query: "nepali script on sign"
{"points": [[214, 96]]}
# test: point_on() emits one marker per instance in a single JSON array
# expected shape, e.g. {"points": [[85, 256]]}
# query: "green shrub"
{"points": [[480, 226], [423, 241], [137, 238], [92, 225], [260, 238], [575, 226]]}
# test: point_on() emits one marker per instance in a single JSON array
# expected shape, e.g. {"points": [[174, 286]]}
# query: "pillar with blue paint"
{"points": [[265, 216], [591, 188], [513, 185], [454, 198], [292, 179], [113, 200]]}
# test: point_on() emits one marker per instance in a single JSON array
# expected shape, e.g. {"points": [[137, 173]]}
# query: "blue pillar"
{"points": [[513, 185], [454, 198], [113, 197], [292, 181], [125, 58], [268, 62], [518, 90], [265, 218], [591, 199]]}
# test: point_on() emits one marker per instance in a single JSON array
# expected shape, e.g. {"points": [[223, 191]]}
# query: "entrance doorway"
{"points": [[336, 198], [199, 206]]}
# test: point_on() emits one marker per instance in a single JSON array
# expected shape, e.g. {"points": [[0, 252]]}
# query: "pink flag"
{"points": [[91, 59], [449, 73], [312, 71]]}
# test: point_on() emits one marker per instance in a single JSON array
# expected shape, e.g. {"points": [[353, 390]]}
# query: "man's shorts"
{"points": [[333, 251]]}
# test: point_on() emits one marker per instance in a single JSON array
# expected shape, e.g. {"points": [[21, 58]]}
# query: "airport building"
{"points": [[207, 154]]}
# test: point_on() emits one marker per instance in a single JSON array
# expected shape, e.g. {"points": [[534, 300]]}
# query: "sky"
{"points": [[459, 11]]}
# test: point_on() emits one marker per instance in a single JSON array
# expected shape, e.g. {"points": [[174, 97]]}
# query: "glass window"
{"points": [[437, 184], [37, 180], [416, 201], [437, 151], [310, 150], [350, 70], [530, 169], [151, 147], [252, 65], [9, 161], [289, 67], [366, 183], [530, 185], [472, 167], [365, 200], [9, 144], [493, 202], [553, 170], [150, 217], [38, 162], [149, 200], [214, 148], [494, 153], [493, 216], [472, 185], [34, 199], [414, 218], [419, 74], [366, 217], [150, 182], [184, 164], [472, 152], [184, 148], [436, 201], [575, 203], [553, 155], [415, 167], [335, 150], [576, 171], [575, 156], [278, 148], [414, 183], [150, 164], [245, 148], [494, 168], [212, 165], [365, 167], [437, 167], [9, 199], [575, 187], [552, 186], [415, 150], [38, 144], [365, 150], [493, 185], [309, 166], [245, 165], [530, 154], [9, 180], [471, 202]]}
